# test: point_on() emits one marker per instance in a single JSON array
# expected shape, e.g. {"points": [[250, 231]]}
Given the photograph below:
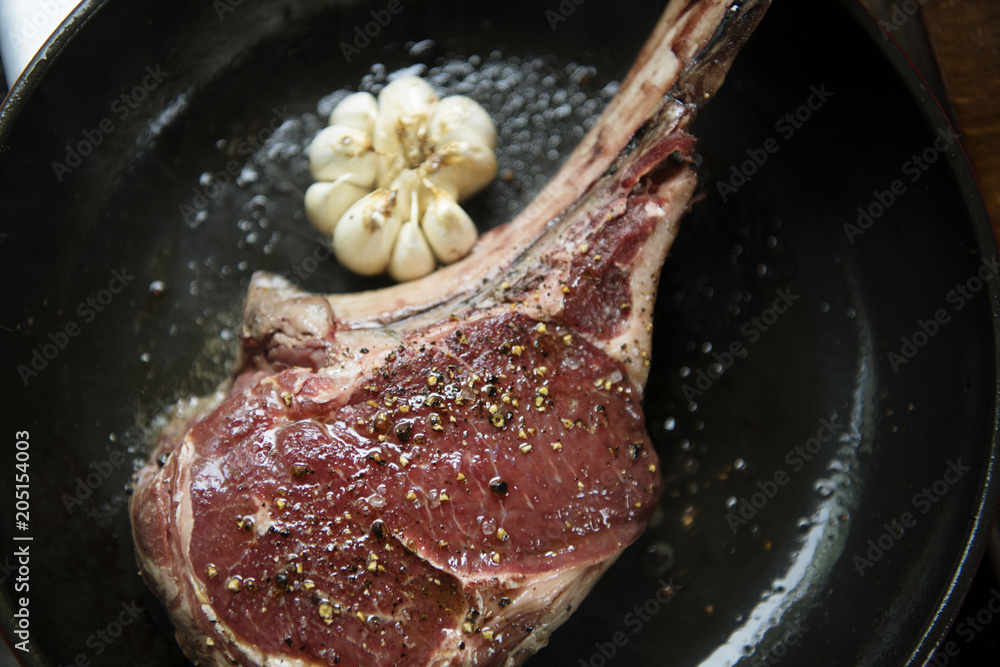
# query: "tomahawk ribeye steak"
{"points": [[437, 473]]}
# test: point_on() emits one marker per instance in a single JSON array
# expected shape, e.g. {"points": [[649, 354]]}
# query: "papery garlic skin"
{"points": [[390, 172]]}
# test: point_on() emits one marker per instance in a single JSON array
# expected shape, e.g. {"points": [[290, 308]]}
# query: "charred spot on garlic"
{"points": [[390, 173]]}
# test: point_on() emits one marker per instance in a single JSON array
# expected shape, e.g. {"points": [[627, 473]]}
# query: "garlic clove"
{"points": [[404, 107], [449, 230], [358, 111], [411, 256], [460, 168], [363, 239], [338, 150], [459, 118], [327, 202]]}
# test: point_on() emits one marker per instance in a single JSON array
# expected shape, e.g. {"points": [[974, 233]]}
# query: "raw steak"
{"points": [[437, 473]]}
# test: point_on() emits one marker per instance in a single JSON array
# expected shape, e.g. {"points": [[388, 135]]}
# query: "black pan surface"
{"points": [[829, 485]]}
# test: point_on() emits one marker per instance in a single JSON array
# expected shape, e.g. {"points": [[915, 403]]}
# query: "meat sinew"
{"points": [[437, 473]]}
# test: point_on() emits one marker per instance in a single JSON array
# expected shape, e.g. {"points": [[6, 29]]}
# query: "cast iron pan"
{"points": [[786, 464]]}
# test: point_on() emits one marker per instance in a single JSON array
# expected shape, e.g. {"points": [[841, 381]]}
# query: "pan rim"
{"points": [[34, 72], [971, 557]]}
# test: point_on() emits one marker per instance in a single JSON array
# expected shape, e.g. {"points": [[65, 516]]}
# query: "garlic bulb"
{"points": [[390, 173]]}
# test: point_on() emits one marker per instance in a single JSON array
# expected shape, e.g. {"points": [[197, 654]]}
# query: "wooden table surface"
{"points": [[955, 44], [963, 36]]}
